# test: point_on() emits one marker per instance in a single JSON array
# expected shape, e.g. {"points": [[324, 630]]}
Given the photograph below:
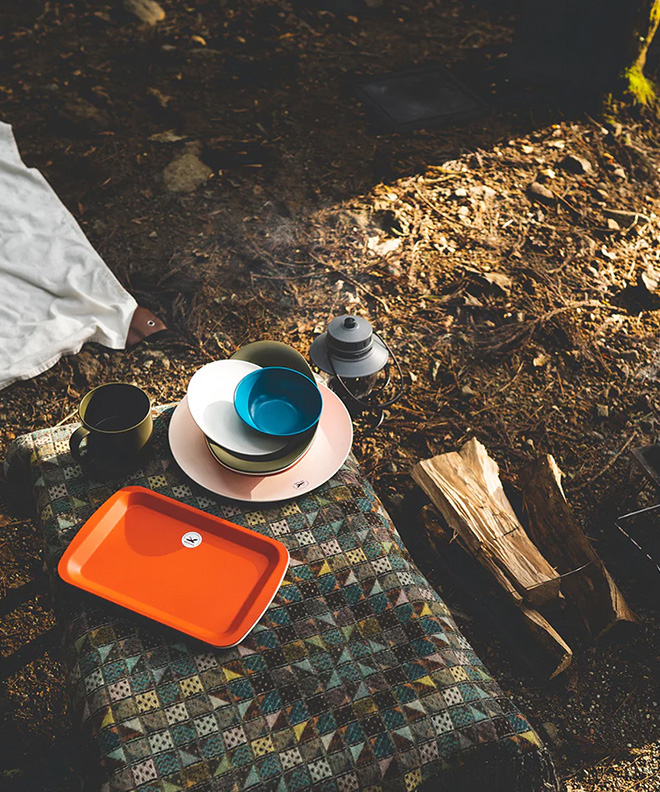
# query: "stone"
{"points": [[539, 192], [602, 411], [168, 136], [81, 113], [147, 11], [151, 356], [384, 248], [482, 192], [466, 390], [186, 172], [87, 367], [577, 165], [649, 279], [612, 224]]}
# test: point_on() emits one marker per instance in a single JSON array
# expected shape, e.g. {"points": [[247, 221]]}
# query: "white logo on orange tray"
{"points": [[191, 539]]}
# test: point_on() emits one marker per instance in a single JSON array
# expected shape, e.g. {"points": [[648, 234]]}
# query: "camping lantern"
{"points": [[357, 359]]}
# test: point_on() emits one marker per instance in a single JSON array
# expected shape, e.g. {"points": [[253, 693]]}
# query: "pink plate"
{"points": [[328, 452]]}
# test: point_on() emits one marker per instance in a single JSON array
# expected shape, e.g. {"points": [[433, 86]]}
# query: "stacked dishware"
{"points": [[257, 426]]}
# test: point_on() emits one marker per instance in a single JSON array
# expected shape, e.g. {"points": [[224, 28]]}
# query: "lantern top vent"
{"points": [[349, 348]]}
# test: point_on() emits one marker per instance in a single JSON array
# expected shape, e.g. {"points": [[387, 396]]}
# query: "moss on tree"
{"points": [[645, 24], [639, 87]]}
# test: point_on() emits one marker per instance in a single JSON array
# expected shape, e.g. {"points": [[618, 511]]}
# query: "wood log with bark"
{"points": [[535, 569], [535, 641], [555, 532], [466, 489]]}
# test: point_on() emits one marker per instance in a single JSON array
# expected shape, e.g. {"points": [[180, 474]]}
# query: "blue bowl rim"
{"points": [[253, 375]]}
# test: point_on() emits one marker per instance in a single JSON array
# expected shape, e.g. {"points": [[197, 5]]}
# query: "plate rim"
{"points": [[260, 475], [324, 389]]}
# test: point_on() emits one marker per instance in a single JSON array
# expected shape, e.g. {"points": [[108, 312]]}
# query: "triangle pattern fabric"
{"points": [[355, 678]]}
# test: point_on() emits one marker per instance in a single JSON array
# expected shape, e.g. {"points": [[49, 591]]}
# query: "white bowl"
{"points": [[211, 402]]}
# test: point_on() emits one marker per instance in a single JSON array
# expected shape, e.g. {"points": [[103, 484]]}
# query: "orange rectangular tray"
{"points": [[176, 564]]}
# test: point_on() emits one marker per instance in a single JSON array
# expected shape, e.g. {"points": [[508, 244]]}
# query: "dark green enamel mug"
{"points": [[116, 424]]}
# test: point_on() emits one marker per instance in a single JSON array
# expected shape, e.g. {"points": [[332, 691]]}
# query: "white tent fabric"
{"points": [[56, 292]]}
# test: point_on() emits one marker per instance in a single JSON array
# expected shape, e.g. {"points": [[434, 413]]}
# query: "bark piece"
{"points": [[553, 528], [473, 507]]}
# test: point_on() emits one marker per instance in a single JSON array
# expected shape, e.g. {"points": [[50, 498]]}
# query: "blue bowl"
{"points": [[278, 401]]}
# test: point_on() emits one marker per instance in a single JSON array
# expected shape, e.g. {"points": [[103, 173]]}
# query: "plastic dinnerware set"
{"points": [[258, 427]]}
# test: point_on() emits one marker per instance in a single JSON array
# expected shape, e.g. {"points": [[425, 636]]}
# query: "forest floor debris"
{"points": [[516, 320]]}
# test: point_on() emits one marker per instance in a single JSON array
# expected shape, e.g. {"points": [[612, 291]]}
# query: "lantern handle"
{"points": [[381, 405]]}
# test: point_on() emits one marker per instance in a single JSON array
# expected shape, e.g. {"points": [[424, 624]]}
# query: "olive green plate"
{"points": [[274, 353], [261, 467]]}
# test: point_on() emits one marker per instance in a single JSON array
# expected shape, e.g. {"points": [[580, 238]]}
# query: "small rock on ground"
{"points": [[578, 165], [87, 367], [541, 193], [147, 11], [186, 172], [81, 113], [602, 411]]}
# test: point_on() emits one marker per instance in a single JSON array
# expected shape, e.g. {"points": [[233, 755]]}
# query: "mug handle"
{"points": [[75, 440]]}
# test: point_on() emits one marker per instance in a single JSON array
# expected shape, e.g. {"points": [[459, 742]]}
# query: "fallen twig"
{"points": [[503, 339], [67, 417], [355, 282], [607, 466]]}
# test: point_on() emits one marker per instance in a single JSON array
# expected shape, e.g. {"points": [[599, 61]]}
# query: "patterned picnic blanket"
{"points": [[356, 677]]}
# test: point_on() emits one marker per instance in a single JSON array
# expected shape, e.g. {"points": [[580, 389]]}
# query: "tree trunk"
{"points": [[587, 47], [644, 26]]}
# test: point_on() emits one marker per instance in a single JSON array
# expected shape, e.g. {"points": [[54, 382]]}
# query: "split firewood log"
{"points": [[556, 533], [466, 490]]}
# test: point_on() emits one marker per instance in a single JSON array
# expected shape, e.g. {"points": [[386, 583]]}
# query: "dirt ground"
{"points": [[521, 319]]}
